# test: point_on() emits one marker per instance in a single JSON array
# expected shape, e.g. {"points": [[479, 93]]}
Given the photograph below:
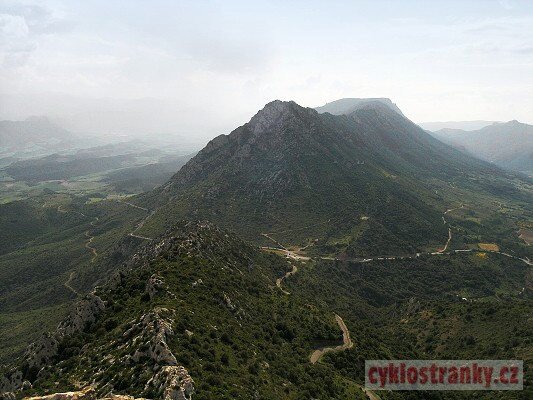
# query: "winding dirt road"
{"points": [[139, 237], [279, 280], [370, 394], [296, 256], [88, 246], [447, 242], [68, 282], [132, 205], [91, 238], [449, 229], [140, 224], [346, 342]]}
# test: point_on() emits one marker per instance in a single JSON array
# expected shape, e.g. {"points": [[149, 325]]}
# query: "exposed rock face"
{"points": [[233, 306], [349, 105], [228, 302], [40, 353], [87, 393], [85, 312], [413, 306], [11, 382], [152, 331], [156, 285], [171, 383], [146, 338], [278, 126]]}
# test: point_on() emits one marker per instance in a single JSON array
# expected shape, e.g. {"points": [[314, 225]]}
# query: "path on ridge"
{"points": [[69, 287]]}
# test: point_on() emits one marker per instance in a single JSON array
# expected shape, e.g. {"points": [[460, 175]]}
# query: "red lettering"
{"points": [[514, 379], [465, 374], [371, 373], [503, 373], [393, 374], [452, 375], [383, 376], [476, 374], [442, 372], [423, 375], [412, 375], [487, 371], [433, 370]]}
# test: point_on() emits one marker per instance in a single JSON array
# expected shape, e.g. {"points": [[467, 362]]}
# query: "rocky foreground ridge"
{"points": [[87, 393], [146, 339]]}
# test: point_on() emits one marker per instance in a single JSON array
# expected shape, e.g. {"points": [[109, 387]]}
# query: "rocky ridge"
{"points": [[145, 339], [39, 355]]}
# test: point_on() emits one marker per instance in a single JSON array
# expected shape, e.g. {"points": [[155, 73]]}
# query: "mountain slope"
{"points": [[196, 315], [352, 183], [198, 305], [509, 144]]}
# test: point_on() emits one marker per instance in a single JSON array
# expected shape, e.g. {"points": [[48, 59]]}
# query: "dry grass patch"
{"points": [[526, 235], [489, 246]]}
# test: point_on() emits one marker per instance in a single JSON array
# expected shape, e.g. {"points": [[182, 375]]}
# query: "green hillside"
{"points": [[203, 302], [383, 227]]}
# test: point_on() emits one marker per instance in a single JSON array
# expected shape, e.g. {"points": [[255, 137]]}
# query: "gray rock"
{"points": [[172, 383]]}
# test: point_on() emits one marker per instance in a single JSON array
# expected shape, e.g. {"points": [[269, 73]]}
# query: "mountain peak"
{"points": [[279, 110], [275, 120], [280, 105], [348, 105]]}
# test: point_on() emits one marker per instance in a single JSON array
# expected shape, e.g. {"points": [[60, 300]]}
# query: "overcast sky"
{"points": [[204, 67]]}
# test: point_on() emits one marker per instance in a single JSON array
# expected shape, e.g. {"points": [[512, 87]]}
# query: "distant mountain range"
{"points": [[462, 125], [509, 144], [33, 131]]}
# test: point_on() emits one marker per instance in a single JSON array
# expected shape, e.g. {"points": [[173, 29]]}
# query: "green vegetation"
{"points": [[238, 335], [415, 310], [28, 325], [235, 332], [97, 172], [368, 184], [338, 187], [43, 241]]}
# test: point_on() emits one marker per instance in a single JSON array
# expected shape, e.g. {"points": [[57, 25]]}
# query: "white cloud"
{"points": [[227, 59], [13, 27]]}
